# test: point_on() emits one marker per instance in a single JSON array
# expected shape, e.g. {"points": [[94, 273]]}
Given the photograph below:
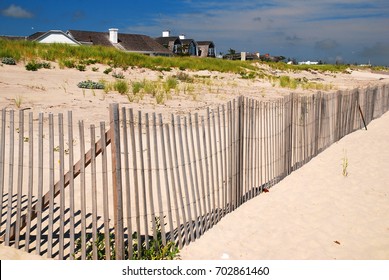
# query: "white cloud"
{"points": [[16, 12]]}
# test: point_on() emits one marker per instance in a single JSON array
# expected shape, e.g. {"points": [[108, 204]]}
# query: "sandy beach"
{"points": [[315, 213]]}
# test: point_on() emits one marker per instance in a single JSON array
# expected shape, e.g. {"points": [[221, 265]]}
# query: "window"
{"points": [[211, 52]]}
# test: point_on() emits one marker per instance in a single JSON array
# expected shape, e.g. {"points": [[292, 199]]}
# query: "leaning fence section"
{"points": [[75, 192]]}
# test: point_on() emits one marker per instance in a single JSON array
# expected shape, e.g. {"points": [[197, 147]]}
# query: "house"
{"points": [[126, 42], [206, 49], [53, 36], [182, 46], [172, 43], [122, 41], [189, 46]]}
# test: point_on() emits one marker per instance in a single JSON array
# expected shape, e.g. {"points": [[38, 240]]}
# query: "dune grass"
{"points": [[67, 55]]}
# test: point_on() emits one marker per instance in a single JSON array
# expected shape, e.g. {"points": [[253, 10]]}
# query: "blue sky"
{"points": [[345, 30]]}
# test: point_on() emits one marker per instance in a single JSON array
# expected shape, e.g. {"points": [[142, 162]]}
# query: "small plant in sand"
{"points": [[121, 86], [344, 164], [184, 77], [90, 85], [34, 66], [170, 83], [160, 97], [81, 67], [108, 70], [118, 75], [18, 101], [8, 61], [153, 250]]}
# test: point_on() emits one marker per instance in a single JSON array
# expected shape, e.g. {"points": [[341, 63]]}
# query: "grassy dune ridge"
{"points": [[65, 54]]}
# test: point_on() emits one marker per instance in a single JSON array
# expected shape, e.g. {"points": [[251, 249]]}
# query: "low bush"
{"points": [[8, 61], [119, 75], [90, 85], [108, 70], [34, 66], [153, 250], [121, 86], [81, 67]]}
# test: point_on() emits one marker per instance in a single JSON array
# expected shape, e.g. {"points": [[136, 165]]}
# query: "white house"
{"points": [[54, 36]]}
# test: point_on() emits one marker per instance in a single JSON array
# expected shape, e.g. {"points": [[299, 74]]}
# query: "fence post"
{"points": [[117, 180], [241, 125]]}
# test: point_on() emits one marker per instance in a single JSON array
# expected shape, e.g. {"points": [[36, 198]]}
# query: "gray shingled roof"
{"points": [[206, 43], [129, 42], [12, 38]]}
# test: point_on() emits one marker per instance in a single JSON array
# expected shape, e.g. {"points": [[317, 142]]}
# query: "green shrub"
{"points": [[90, 85], [154, 250], [95, 69], [108, 70], [69, 63], [8, 61], [150, 87], [32, 66], [184, 77], [81, 67], [136, 87], [119, 75], [170, 83], [287, 82], [160, 97], [121, 86]]}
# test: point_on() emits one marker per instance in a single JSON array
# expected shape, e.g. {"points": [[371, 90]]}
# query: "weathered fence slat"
{"points": [[191, 180], [185, 180], [117, 181], [127, 184], [30, 180], [104, 163], [94, 192], [159, 188], [38, 210], [51, 188], [71, 187], [20, 177], [143, 179], [195, 181], [174, 187], [10, 176], [62, 186], [167, 184], [136, 183], [202, 177], [150, 177], [82, 190], [207, 177], [2, 161]]}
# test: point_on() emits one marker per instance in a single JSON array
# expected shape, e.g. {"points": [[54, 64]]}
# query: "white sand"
{"points": [[316, 212], [300, 218]]}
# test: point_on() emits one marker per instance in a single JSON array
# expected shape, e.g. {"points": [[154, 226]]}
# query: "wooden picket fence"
{"points": [[150, 175]]}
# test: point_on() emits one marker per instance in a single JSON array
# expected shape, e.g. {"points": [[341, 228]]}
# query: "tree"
{"points": [[231, 51]]}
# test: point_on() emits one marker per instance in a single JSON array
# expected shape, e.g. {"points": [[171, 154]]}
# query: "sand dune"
{"points": [[316, 212]]}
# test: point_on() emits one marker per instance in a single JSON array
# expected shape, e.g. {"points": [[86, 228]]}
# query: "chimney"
{"points": [[166, 33], [113, 35], [182, 37]]}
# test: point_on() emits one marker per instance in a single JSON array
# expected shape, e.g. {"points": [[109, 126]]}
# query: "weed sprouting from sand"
{"points": [[18, 101], [121, 86], [344, 164], [154, 249]]}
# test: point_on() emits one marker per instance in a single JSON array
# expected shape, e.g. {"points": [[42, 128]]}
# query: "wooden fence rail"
{"points": [[175, 179]]}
